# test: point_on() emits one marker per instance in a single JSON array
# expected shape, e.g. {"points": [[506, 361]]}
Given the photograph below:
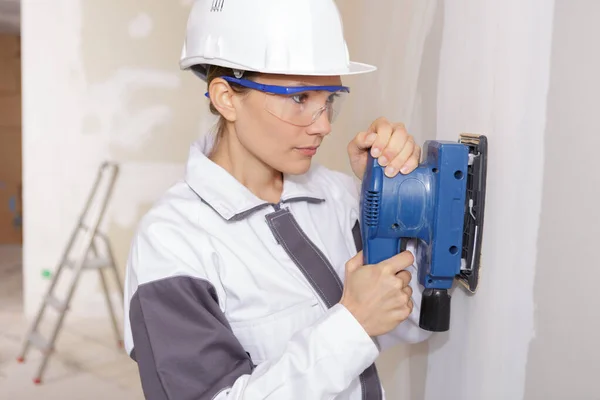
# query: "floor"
{"points": [[87, 363]]}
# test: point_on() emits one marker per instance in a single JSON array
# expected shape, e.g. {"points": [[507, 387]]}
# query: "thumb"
{"points": [[362, 142], [354, 263]]}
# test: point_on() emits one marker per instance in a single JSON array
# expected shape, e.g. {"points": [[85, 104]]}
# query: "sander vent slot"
{"points": [[371, 209]]}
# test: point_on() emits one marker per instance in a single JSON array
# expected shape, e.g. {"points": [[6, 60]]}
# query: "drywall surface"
{"points": [[447, 68], [100, 82], [564, 355], [493, 80]]}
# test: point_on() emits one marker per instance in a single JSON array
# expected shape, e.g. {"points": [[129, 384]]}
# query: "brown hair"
{"points": [[215, 71]]}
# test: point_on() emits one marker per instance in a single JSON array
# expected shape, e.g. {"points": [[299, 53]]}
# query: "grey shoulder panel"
{"points": [[306, 255], [183, 344]]}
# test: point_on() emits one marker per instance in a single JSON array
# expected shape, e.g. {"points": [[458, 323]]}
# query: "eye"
{"points": [[331, 98], [299, 98]]}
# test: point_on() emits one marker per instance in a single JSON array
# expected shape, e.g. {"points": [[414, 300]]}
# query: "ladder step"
{"points": [[57, 304], [92, 263], [38, 341]]}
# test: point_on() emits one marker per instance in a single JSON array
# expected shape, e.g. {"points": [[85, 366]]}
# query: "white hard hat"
{"points": [[294, 37]]}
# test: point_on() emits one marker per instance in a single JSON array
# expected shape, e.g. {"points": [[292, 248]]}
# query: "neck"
{"points": [[265, 182]]}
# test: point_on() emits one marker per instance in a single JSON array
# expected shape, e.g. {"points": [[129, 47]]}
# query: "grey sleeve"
{"points": [[183, 344]]}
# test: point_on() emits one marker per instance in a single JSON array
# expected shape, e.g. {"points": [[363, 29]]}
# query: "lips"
{"points": [[308, 151]]}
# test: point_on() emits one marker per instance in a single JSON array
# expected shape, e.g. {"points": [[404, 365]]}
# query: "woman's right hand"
{"points": [[379, 296]]}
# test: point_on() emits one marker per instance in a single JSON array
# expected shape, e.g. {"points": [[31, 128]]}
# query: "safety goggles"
{"points": [[298, 105]]}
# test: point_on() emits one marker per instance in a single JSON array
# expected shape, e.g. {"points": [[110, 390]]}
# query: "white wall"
{"points": [[493, 79], [501, 69], [100, 82], [564, 355]]}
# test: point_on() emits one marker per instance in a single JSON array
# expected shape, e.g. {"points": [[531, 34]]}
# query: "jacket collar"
{"points": [[226, 195]]}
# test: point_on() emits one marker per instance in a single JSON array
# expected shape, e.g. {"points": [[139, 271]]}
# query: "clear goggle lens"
{"points": [[304, 108], [300, 106]]}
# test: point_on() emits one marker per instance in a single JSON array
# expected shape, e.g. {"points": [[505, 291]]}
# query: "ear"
{"points": [[221, 96]]}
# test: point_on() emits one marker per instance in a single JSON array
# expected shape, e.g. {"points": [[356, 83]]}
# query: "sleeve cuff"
{"points": [[348, 340]]}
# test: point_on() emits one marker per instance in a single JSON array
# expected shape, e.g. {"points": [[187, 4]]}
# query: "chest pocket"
{"points": [[266, 338]]}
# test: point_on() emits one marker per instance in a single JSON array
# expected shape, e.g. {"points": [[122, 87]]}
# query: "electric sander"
{"points": [[441, 206]]}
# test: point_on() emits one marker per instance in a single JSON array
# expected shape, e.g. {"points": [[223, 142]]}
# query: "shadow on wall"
{"points": [[567, 316], [423, 123], [426, 122], [425, 109]]}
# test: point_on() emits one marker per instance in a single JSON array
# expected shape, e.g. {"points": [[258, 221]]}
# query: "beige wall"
{"points": [[564, 355], [101, 82], [390, 35]]}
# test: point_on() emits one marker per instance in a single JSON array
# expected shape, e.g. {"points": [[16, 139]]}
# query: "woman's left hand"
{"points": [[390, 143]]}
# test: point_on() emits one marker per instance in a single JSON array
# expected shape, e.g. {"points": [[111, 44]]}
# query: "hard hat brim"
{"points": [[354, 68]]}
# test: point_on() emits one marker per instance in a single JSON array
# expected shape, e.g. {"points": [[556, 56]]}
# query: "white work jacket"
{"points": [[230, 297]]}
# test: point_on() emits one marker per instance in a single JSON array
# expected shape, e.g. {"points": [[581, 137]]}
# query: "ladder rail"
{"points": [[109, 305], [113, 264], [95, 187], [91, 233], [59, 267]]}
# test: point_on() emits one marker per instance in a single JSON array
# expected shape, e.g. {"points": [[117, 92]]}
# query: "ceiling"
{"points": [[10, 16]]}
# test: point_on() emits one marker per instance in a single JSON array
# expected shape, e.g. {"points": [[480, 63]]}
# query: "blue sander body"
{"points": [[440, 205]]}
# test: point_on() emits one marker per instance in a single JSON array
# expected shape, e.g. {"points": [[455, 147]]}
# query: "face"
{"points": [[263, 122]]}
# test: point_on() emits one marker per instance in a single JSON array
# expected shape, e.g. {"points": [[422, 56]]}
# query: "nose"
{"points": [[322, 125]]}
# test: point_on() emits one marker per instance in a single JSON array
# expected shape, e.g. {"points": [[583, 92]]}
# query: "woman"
{"points": [[245, 281]]}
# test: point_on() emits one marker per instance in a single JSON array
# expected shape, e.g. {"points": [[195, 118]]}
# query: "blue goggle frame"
{"points": [[281, 90]]}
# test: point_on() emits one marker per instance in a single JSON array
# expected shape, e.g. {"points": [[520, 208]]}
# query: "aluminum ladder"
{"points": [[89, 257]]}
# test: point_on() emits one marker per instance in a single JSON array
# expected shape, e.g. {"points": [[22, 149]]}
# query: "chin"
{"points": [[295, 168]]}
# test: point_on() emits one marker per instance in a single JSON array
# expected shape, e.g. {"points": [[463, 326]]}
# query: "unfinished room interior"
{"points": [[97, 118]]}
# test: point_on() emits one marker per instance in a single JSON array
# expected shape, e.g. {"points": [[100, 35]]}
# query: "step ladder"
{"points": [[94, 253]]}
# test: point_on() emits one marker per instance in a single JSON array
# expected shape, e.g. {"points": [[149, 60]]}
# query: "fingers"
{"points": [[408, 290], [397, 263], [410, 304], [394, 148], [354, 263], [405, 277], [397, 150], [405, 304], [413, 161], [362, 141], [406, 298], [406, 159], [383, 130], [358, 150]]}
